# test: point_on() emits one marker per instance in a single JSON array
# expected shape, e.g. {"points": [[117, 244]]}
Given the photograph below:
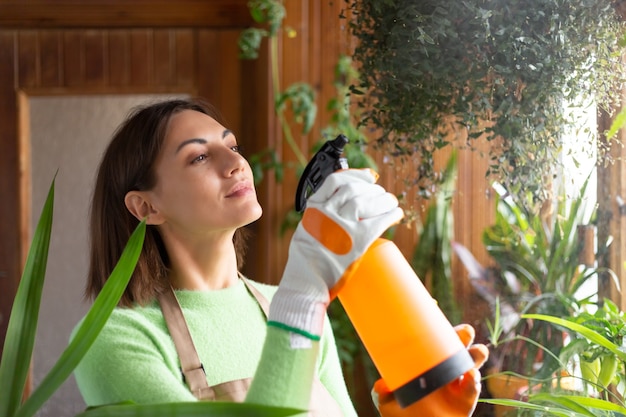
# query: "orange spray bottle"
{"points": [[411, 342]]}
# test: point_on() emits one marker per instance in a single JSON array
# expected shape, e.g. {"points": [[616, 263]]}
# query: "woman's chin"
{"points": [[255, 214]]}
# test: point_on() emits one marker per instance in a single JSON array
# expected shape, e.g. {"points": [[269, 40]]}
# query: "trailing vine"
{"points": [[503, 71]]}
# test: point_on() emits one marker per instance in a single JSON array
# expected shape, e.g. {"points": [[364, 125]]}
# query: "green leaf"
{"points": [[562, 401], [249, 42], [521, 405], [573, 402], [271, 12], [301, 97], [617, 124], [592, 335], [199, 409], [90, 327], [20, 337]]}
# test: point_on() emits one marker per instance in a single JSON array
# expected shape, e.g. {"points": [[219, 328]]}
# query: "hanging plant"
{"points": [[499, 70]]}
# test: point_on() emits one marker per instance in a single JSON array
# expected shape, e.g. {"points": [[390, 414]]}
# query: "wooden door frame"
{"points": [[42, 14]]}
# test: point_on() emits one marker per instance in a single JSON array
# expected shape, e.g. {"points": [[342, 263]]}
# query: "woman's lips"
{"points": [[240, 190]]}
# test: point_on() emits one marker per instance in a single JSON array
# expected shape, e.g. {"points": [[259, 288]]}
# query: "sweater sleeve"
{"points": [[138, 371], [329, 369], [331, 374], [284, 376]]}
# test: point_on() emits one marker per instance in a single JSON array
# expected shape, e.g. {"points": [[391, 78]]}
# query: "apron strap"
{"points": [[260, 299], [190, 365], [192, 369]]}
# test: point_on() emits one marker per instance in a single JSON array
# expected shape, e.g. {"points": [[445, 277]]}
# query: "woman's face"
{"points": [[203, 184]]}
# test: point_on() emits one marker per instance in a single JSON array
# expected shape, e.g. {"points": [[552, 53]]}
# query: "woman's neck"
{"points": [[208, 265]]}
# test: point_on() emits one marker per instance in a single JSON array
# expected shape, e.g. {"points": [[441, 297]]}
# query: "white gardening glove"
{"points": [[342, 219]]}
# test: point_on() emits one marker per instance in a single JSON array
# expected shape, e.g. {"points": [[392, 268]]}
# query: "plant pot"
{"points": [[503, 386]]}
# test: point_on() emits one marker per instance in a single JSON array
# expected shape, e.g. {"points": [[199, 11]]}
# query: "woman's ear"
{"points": [[139, 206]]}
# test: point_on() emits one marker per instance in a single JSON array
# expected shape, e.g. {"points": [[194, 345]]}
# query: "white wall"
{"points": [[68, 136]]}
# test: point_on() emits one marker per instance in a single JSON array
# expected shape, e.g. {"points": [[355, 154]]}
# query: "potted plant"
{"points": [[433, 72], [589, 330], [536, 270]]}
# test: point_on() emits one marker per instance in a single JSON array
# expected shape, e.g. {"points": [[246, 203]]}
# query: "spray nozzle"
{"points": [[326, 161]]}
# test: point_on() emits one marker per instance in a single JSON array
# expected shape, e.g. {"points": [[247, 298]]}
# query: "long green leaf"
{"points": [[545, 410], [92, 324], [579, 400], [20, 337], [562, 401], [592, 335], [190, 409]]}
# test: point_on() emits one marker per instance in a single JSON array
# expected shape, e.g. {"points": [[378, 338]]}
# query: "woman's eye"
{"points": [[236, 148], [199, 158]]}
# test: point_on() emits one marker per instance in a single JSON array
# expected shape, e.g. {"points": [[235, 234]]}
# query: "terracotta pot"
{"points": [[508, 387]]}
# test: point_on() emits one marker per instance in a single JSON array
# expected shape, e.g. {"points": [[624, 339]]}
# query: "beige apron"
{"points": [[322, 403]]}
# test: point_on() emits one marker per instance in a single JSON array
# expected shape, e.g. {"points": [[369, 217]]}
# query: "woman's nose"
{"points": [[233, 162]]}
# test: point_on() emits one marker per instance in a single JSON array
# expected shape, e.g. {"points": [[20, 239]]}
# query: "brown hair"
{"points": [[127, 165]]}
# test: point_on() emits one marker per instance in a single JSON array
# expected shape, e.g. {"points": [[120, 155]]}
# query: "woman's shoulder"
{"points": [[126, 321]]}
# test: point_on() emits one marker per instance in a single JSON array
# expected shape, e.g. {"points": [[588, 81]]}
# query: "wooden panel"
{"points": [[50, 46], [228, 81], [73, 58], [28, 57], [163, 47], [208, 71], [141, 57], [94, 59], [10, 218], [219, 74], [124, 13], [119, 57], [184, 57]]}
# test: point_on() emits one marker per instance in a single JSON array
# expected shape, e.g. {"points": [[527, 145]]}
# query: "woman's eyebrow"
{"points": [[190, 141], [201, 141]]}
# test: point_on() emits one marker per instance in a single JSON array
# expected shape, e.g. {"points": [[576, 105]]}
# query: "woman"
{"points": [[190, 326]]}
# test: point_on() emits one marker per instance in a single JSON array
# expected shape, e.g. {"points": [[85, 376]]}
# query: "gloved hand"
{"points": [[456, 399], [341, 221]]}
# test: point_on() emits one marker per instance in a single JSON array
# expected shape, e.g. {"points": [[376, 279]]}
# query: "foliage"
{"points": [[599, 336], [498, 70], [559, 402], [432, 255], [562, 405], [537, 270], [18, 347], [17, 351], [190, 409], [600, 367]]}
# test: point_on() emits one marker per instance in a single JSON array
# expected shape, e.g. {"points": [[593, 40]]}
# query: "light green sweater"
{"points": [[134, 357]]}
